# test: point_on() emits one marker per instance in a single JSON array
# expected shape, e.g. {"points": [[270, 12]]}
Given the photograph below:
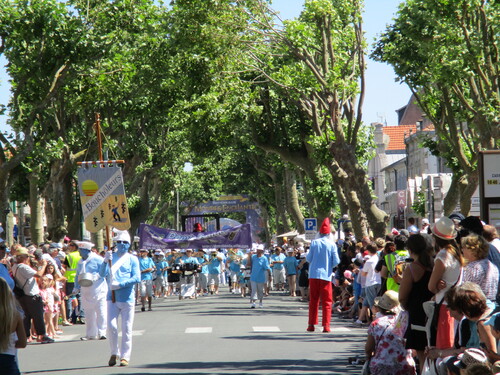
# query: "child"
{"points": [[47, 292], [290, 264]]}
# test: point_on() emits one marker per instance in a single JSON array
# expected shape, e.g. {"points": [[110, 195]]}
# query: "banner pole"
{"points": [[99, 153]]}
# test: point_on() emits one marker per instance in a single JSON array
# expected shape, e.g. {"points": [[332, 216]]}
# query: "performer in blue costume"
{"points": [[122, 276]]}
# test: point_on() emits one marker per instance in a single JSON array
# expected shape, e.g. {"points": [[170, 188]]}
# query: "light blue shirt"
{"points": [[322, 258], [160, 265], [259, 267], [4, 273], [127, 276], [280, 258], [214, 266], [291, 264], [92, 265], [146, 263]]}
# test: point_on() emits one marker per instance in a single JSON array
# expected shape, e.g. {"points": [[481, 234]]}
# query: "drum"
{"points": [[85, 279], [189, 268], [177, 268], [173, 277]]}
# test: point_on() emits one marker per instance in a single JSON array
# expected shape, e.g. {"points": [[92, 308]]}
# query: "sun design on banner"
{"points": [[90, 187]]}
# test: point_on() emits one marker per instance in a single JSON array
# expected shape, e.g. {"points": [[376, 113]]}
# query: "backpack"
{"points": [[399, 265]]}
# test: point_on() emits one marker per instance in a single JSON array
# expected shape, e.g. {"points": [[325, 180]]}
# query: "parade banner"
{"points": [[152, 237], [102, 195]]}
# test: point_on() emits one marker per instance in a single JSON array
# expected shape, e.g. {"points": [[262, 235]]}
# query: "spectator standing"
{"points": [[372, 281], [31, 300], [322, 258], [12, 333], [413, 292], [277, 260]]}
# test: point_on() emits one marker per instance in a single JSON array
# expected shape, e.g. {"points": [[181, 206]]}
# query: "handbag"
{"points": [[19, 292]]}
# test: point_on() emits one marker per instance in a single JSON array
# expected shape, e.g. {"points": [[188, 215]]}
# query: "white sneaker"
{"points": [[261, 305], [252, 305]]}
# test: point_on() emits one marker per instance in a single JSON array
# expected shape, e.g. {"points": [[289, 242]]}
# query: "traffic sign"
{"points": [[311, 228]]}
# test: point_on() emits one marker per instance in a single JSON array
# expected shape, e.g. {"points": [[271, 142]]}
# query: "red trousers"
{"points": [[320, 290]]}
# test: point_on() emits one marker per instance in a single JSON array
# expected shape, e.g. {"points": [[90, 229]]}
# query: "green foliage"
{"points": [[419, 203]]}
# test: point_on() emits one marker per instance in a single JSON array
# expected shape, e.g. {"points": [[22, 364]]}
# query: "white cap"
{"points": [[425, 221], [85, 245], [122, 235], [260, 247]]}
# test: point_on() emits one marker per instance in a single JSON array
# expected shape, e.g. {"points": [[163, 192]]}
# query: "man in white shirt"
{"points": [[372, 281]]}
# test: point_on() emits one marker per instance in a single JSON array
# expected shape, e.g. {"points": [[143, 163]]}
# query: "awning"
{"points": [[293, 233]]}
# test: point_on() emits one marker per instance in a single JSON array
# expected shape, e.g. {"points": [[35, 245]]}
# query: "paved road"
{"points": [[211, 335]]}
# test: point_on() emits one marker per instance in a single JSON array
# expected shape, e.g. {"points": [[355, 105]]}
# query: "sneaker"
{"points": [[84, 338], [102, 337], [150, 309], [261, 305], [310, 328], [143, 308], [46, 340], [123, 362], [252, 305], [112, 360], [326, 329]]}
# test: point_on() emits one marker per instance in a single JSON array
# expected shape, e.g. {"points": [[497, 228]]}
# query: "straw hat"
{"points": [[389, 301], [445, 229]]}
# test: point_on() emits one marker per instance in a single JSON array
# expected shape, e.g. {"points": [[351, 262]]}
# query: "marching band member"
{"points": [[188, 280], [277, 260], [147, 268], [233, 263], [260, 266], [123, 273], [214, 271], [161, 266], [94, 296], [203, 259]]}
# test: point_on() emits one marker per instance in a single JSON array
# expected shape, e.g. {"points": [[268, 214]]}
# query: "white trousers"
{"points": [[126, 310], [95, 316], [257, 291]]}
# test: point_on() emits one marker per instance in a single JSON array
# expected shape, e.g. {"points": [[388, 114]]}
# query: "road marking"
{"points": [[340, 329], [266, 329], [134, 333], [198, 330], [68, 338]]}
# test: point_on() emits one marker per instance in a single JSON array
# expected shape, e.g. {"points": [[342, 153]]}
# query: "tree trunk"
{"points": [[36, 222], [293, 200], [468, 187], [282, 222], [4, 202], [452, 196]]}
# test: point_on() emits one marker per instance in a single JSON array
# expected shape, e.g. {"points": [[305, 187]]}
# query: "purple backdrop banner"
{"points": [[152, 237]]}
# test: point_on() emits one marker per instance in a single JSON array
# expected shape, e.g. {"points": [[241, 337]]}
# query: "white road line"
{"points": [[198, 330], [134, 333], [340, 329], [266, 329]]}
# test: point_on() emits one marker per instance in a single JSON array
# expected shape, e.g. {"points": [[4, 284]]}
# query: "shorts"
{"points": [[203, 280], [371, 292], [213, 279], [279, 276], [146, 288], [160, 282], [235, 276]]}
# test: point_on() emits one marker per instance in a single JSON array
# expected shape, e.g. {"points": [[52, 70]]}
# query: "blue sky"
{"points": [[383, 94]]}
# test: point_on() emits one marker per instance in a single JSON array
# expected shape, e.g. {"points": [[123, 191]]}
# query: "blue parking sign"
{"points": [[311, 225]]}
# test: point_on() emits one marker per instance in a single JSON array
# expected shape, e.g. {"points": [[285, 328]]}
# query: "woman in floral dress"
{"points": [[385, 345]]}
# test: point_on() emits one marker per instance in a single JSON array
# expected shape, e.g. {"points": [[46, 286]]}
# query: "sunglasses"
{"points": [[121, 241]]}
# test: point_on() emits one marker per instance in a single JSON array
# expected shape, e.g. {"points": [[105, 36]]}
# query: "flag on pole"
{"points": [[102, 194]]}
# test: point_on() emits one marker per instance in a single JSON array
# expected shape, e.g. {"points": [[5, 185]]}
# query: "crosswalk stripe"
{"points": [[340, 329], [134, 333], [266, 329], [198, 330]]}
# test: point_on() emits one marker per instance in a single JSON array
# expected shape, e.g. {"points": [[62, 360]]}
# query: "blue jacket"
{"points": [[127, 276], [322, 258]]}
